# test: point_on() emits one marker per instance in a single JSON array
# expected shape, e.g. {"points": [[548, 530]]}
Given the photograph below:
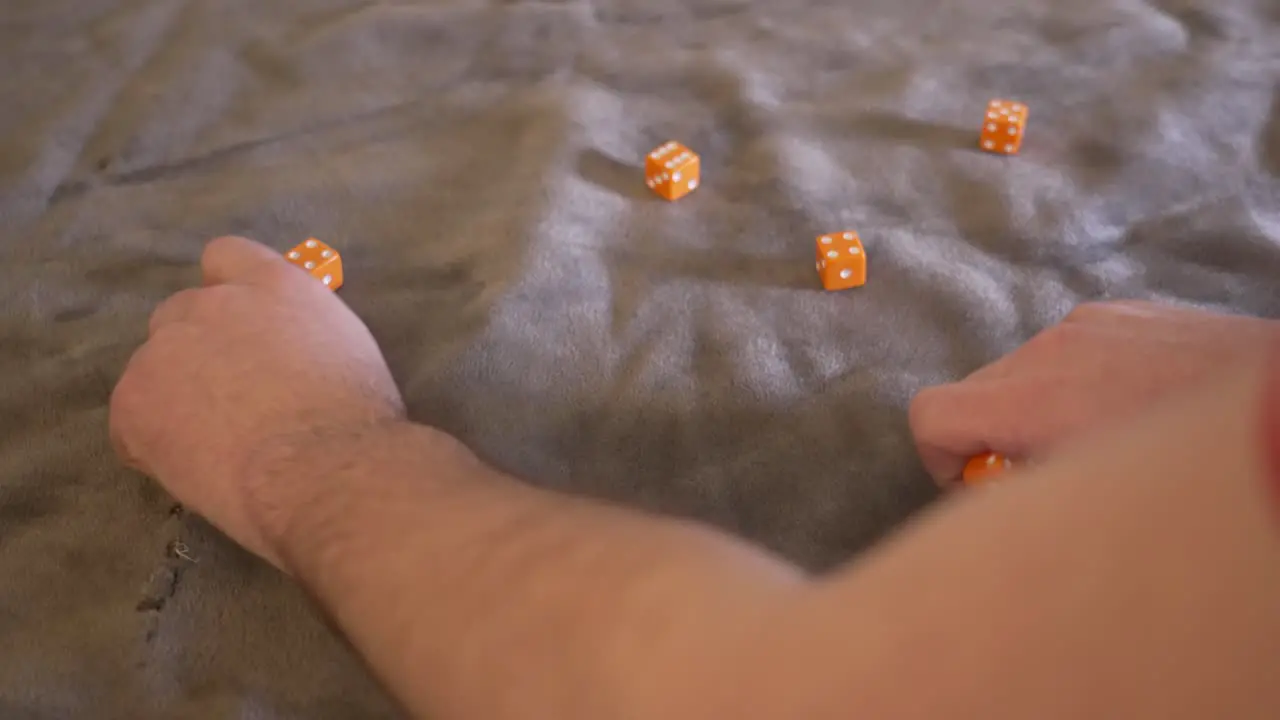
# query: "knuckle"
{"points": [[1132, 304], [167, 309], [223, 245], [1070, 331], [192, 304], [120, 395], [276, 276], [1060, 333], [125, 392], [128, 405], [1047, 346], [921, 409], [213, 299], [1086, 311]]}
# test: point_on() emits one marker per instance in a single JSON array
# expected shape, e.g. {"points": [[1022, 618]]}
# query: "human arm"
{"points": [[1135, 589], [1134, 578]]}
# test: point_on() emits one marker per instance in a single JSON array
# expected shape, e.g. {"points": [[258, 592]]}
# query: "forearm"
{"points": [[473, 595], [1102, 584]]}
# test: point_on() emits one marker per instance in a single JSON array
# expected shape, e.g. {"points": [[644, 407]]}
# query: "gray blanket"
{"points": [[478, 164]]}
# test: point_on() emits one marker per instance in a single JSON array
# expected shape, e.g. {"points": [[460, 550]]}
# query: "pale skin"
{"points": [[1133, 572]]}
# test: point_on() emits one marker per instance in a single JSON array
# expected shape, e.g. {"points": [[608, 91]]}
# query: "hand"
{"points": [[261, 357], [1102, 363]]}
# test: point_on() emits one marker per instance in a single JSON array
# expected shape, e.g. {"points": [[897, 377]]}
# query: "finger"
{"points": [[1014, 417], [137, 406], [121, 410], [238, 260], [175, 308], [121, 449]]}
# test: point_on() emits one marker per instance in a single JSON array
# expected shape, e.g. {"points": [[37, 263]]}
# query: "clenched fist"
{"points": [[262, 356]]}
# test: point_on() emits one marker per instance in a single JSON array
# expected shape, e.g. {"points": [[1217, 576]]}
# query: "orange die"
{"points": [[320, 260], [842, 263], [1003, 127], [672, 170], [984, 468]]}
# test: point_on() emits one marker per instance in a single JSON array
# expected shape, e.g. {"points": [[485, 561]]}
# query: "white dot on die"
{"points": [[1013, 131], [848, 236], [988, 144], [991, 127], [308, 265], [676, 177], [992, 115], [845, 273], [693, 184], [311, 243], [853, 251], [1017, 107], [824, 240], [1008, 148], [670, 164], [832, 254], [327, 279], [818, 266], [294, 255], [326, 253]]}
